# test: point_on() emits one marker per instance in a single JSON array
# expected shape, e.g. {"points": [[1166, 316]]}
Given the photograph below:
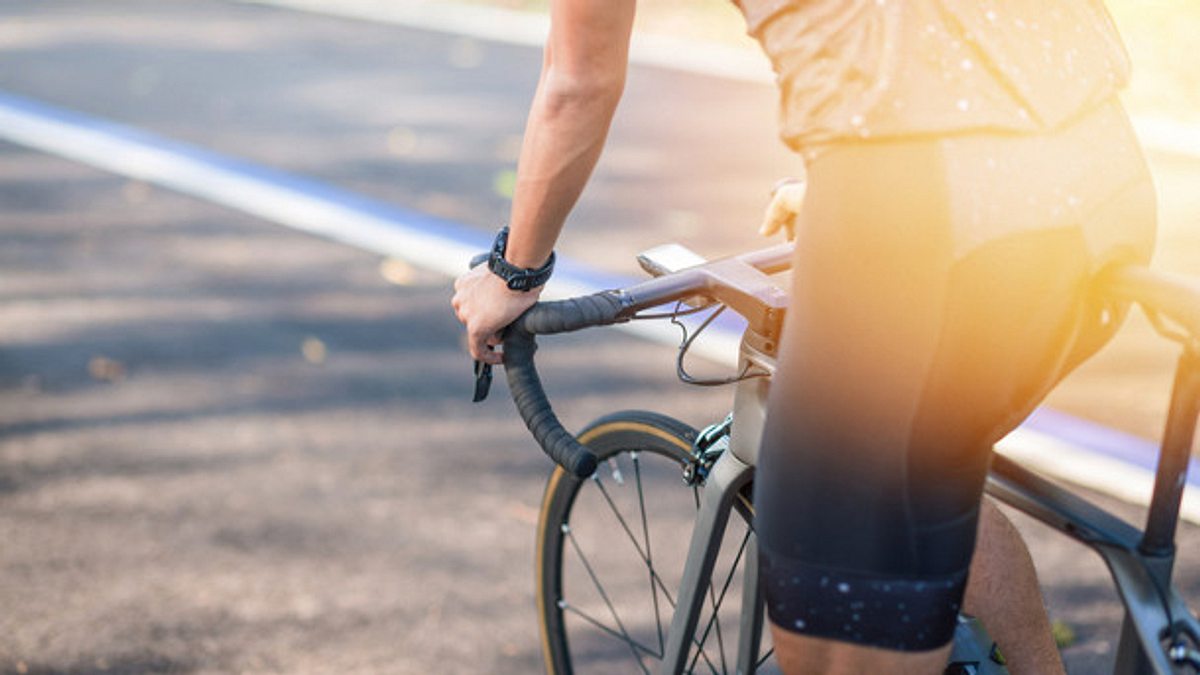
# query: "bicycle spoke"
{"points": [[620, 518], [716, 604], [720, 599], [700, 652], [644, 556], [600, 588], [645, 560], [720, 636], [634, 644], [629, 533], [707, 661], [567, 607], [637, 472], [712, 599], [612, 602]]}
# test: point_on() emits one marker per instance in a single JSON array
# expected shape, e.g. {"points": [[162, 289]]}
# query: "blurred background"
{"points": [[235, 429]]}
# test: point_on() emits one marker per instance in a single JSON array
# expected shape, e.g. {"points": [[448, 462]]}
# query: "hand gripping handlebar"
{"points": [[561, 316], [740, 282]]}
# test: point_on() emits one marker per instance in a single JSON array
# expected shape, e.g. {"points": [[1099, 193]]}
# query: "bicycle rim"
{"points": [[611, 550]]}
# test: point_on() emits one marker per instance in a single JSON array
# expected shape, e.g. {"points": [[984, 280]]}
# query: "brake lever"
{"points": [[483, 371], [483, 380]]}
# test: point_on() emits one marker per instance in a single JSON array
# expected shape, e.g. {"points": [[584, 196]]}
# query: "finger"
{"points": [[793, 196], [489, 355], [477, 349], [772, 220], [480, 349], [783, 183]]}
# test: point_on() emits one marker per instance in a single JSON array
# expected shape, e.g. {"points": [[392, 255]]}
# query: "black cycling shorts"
{"points": [[923, 327]]}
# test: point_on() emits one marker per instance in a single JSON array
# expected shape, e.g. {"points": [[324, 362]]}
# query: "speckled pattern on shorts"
{"points": [[892, 613]]}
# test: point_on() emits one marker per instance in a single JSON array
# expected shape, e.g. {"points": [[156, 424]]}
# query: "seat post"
{"points": [[1163, 518]]}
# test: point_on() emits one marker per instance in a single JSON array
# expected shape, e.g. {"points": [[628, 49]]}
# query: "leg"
{"points": [[854, 583], [902, 363], [803, 655], [1003, 592]]}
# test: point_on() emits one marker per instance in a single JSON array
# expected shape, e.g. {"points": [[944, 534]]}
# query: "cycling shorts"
{"points": [[941, 287]]}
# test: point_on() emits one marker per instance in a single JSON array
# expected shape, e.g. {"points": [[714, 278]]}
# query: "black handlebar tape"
{"points": [[564, 316], [525, 385]]}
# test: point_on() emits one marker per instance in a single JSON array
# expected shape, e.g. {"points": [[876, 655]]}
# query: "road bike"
{"points": [[646, 558]]}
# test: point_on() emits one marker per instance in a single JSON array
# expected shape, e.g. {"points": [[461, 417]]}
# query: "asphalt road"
{"points": [[229, 447]]}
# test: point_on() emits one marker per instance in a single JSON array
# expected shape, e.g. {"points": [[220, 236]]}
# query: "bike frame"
{"points": [[1140, 561]]}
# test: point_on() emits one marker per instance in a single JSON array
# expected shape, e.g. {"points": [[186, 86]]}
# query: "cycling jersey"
{"points": [[898, 68]]}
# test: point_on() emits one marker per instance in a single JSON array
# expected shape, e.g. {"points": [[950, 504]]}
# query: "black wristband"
{"points": [[517, 278]]}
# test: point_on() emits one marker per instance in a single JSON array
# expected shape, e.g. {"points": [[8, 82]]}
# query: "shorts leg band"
{"points": [[890, 613]]}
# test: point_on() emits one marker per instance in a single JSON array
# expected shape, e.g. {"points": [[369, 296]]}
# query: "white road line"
{"points": [[1053, 457], [185, 170], [418, 239]]}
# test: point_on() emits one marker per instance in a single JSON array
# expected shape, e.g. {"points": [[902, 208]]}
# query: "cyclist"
{"points": [[969, 172]]}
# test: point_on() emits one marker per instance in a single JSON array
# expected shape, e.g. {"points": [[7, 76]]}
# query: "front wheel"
{"points": [[611, 551]]}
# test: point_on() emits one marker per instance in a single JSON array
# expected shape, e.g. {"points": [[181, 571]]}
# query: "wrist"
{"points": [[501, 286], [520, 256], [516, 277]]}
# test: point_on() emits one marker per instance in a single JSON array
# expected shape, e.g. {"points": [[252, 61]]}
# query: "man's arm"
{"points": [[583, 75]]}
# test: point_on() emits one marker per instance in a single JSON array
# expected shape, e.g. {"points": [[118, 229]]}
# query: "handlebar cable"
{"points": [[669, 315], [686, 344]]}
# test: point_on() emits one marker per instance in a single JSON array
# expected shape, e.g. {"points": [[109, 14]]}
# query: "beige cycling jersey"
{"points": [[888, 68]]}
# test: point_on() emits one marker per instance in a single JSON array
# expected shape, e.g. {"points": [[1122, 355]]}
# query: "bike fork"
{"points": [[728, 476]]}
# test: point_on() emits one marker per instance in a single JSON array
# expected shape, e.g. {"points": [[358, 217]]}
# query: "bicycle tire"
{"points": [[592, 635]]}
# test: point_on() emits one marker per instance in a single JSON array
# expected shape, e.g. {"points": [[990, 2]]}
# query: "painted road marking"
{"points": [[1095, 456], [433, 243], [1053, 443]]}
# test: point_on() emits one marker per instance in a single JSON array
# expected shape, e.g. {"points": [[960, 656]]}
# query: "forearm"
{"points": [[582, 77], [568, 123], [583, 74]]}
